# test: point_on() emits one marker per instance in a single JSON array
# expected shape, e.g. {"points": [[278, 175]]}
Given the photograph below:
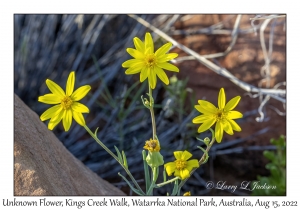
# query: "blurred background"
{"points": [[245, 54]]}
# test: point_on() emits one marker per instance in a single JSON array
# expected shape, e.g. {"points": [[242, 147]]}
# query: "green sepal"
{"points": [[154, 159]]}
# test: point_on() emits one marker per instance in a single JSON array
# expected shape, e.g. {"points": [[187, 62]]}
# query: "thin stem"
{"points": [[114, 156], [152, 113], [202, 159], [146, 170], [167, 182]]}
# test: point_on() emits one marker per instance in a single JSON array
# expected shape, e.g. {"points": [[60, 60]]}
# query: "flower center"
{"points": [[180, 164], [221, 115], [150, 60], [66, 102]]}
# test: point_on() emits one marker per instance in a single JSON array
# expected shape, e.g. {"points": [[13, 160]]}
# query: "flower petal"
{"points": [[177, 155], [170, 168], [70, 83], [186, 155], [168, 66], [209, 107], [144, 74], [55, 88], [234, 115], [130, 62], [219, 132], [234, 125], [232, 103], [184, 173], [78, 118], [163, 49], [152, 78], [79, 107], [206, 125], [55, 120], [135, 68], [50, 99], [139, 45], [166, 57], [67, 119], [227, 127], [51, 112], [149, 46], [135, 53], [192, 164], [80, 92], [162, 75], [201, 118], [221, 99]]}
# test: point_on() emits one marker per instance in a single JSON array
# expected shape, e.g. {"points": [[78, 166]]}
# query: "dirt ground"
{"points": [[244, 61]]}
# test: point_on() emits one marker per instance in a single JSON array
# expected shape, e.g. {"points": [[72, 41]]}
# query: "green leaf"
{"points": [[119, 154]]}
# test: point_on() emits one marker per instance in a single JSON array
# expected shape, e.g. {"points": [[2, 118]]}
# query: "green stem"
{"points": [[152, 113], [114, 156], [155, 171], [167, 182], [146, 170], [202, 159]]}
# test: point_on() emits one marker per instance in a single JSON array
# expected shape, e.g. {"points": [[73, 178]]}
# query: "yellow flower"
{"points": [[187, 193], [152, 145], [222, 116], [66, 103], [148, 63], [181, 166]]}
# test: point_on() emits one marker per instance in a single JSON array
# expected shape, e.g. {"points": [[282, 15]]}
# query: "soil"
{"points": [[245, 61]]}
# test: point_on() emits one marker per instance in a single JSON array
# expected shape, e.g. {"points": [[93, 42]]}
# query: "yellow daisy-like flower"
{"points": [[66, 103], [181, 167], [152, 145], [148, 63], [222, 116]]}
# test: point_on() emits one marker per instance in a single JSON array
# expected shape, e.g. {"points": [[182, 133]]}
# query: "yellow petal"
{"points": [[166, 57], [144, 74], [149, 43], [234, 115], [208, 107], [55, 88], [186, 155], [184, 173], [227, 127], [201, 118], [50, 99], [130, 62], [67, 119], [78, 117], [219, 132], [206, 125], [80, 92], [177, 155], [163, 49], [139, 45], [168, 66], [232, 103], [70, 83], [51, 112], [152, 79], [170, 168], [135, 68], [134, 53], [79, 107], [192, 164], [234, 125], [221, 99], [55, 120], [203, 111], [162, 75]]}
